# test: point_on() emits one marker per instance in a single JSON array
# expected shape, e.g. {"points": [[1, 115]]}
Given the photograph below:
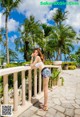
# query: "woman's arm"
{"points": [[32, 60], [33, 63]]}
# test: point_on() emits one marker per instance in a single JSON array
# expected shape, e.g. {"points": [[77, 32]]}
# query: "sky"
{"points": [[42, 13]]}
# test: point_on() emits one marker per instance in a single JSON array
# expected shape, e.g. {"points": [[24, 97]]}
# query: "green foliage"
{"points": [[13, 65], [48, 62], [71, 67], [8, 6], [54, 78], [1, 91], [69, 63], [0, 79], [16, 64], [25, 63], [62, 36], [55, 74], [62, 80], [31, 35], [1, 87], [59, 16]]}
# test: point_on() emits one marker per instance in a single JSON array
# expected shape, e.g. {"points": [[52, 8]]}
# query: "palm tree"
{"points": [[13, 55], [59, 16], [29, 37], [8, 6], [46, 50], [62, 36], [61, 39]]}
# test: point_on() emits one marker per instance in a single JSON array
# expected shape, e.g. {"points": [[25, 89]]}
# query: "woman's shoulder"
{"points": [[38, 57]]}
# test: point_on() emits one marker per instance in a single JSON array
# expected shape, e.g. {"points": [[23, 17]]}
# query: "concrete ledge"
{"points": [[21, 109], [28, 104]]}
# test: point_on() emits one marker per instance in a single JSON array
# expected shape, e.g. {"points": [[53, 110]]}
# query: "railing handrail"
{"points": [[7, 71]]}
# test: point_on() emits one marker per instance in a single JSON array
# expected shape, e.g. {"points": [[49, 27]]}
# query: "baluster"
{"points": [[39, 81], [15, 92], [23, 87], [35, 82], [5, 85], [30, 84]]}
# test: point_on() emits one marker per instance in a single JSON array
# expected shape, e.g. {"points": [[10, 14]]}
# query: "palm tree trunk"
{"points": [[7, 49], [59, 54]]}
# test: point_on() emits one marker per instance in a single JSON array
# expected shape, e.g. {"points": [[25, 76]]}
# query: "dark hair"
{"points": [[39, 53]]}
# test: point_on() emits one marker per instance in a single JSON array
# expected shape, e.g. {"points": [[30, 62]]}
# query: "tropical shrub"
{"points": [[62, 83], [1, 86], [68, 64], [71, 67], [48, 62], [54, 77], [11, 65], [55, 74], [16, 64]]}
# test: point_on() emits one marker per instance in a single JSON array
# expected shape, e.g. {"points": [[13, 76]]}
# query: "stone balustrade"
{"points": [[18, 109]]}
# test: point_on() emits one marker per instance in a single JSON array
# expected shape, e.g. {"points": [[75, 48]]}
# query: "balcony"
{"points": [[37, 88]]}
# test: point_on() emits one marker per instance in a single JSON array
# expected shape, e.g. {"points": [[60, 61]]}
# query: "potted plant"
{"points": [[54, 77], [60, 81], [65, 66]]}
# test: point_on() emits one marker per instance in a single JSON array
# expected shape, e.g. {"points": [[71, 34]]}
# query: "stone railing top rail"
{"points": [[7, 71]]}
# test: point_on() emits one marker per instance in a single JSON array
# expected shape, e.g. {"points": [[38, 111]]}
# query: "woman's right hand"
{"points": [[32, 55]]}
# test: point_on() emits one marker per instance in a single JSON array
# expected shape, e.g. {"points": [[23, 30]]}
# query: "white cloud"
{"points": [[12, 24], [22, 28], [34, 8], [73, 16], [51, 12], [12, 39], [2, 19]]}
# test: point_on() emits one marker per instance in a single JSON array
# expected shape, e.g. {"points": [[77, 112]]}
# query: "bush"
{"points": [[16, 64], [54, 78], [71, 67], [48, 62], [24, 63], [69, 63], [62, 81], [11, 65], [1, 86], [55, 74]]}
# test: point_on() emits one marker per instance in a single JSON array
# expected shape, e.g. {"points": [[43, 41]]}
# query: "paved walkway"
{"points": [[63, 101]]}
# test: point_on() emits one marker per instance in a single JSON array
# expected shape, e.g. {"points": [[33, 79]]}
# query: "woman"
{"points": [[38, 63]]}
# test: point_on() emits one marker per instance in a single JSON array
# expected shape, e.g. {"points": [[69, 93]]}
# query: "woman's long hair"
{"points": [[40, 53]]}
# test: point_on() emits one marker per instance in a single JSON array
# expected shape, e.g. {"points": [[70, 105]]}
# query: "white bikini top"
{"points": [[39, 64]]}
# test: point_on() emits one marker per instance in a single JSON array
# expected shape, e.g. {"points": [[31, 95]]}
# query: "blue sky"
{"points": [[42, 13]]}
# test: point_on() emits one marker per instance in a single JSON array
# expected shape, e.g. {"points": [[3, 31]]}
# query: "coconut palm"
{"points": [[8, 6], [59, 16], [61, 39], [48, 52], [30, 36], [62, 36]]}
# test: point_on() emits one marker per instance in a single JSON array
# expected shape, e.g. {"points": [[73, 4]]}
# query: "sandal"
{"points": [[45, 108]]}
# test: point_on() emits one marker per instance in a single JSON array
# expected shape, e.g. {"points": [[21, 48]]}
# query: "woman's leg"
{"points": [[45, 88]]}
